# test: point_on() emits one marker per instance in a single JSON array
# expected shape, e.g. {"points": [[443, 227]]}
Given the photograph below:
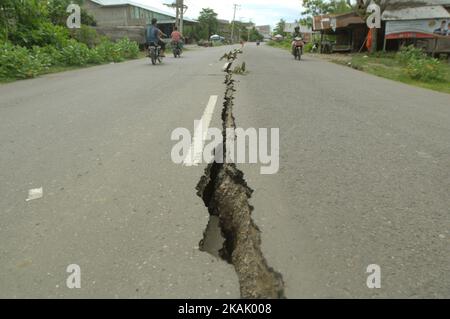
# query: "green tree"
{"points": [[19, 17], [320, 7], [340, 6], [315, 7], [281, 26], [255, 35], [27, 22], [191, 32], [6, 16], [208, 23], [58, 15], [241, 28]]}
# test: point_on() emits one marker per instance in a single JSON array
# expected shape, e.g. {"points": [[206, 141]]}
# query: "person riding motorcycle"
{"points": [[296, 34], [177, 38], [154, 34]]}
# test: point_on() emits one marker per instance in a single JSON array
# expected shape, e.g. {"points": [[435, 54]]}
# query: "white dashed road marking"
{"points": [[195, 153]]}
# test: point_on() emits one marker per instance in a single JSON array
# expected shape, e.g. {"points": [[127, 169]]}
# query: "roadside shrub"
{"points": [[75, 53], [217, 44], [408, 53], [419, 66], [87, 35], [129, 49], [204, 43], [44, 34], [109, 51], [43, 56], [18, 63], [285, 44], [3, 34], [52, 52], [308, 47], [428, 70], [95, 57]]}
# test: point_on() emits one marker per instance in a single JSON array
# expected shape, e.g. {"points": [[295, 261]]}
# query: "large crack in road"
{"points": [[226, 195]]}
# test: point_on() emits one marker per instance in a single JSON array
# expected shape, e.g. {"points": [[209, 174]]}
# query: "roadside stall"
{"points": [[341, 32], [426, 27]]}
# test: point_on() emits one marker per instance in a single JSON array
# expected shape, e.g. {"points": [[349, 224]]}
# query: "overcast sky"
{"points": [[258, 11]]}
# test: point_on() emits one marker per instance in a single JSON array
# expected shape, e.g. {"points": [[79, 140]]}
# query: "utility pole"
{"points": [[249, 28], [236, 6], [180, 10], [177, 8]]}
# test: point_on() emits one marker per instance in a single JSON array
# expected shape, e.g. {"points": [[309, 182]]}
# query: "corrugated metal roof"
{"points": [[416, 13], [418, 3], [108, 3], [323, 22]]}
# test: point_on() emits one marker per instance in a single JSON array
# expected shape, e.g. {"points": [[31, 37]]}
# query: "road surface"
{"points": [[364, 179]]}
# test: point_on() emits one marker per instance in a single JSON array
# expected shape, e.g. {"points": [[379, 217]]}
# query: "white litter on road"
{"points": [[36, 193]]}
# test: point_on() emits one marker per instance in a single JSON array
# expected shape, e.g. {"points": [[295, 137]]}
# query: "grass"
{"points": [[285, 44], [385, 65], [59, 69]]}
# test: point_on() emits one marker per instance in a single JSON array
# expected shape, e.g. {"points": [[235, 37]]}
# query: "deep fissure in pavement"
{"points": [[226, 195]]}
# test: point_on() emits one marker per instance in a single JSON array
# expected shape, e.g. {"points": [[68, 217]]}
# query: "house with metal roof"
{"points": [[265, 30], [348, 30], [120, 18], [423, 23], [224, 28]]}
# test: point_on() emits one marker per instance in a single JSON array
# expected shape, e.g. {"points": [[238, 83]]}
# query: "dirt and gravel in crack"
{"points": [[227, 195]]}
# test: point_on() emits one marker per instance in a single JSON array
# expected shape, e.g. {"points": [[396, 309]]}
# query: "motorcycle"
{"points": [[298, 48], [154, 52], [177, 50]]}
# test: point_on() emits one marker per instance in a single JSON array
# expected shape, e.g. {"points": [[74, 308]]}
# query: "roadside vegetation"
{"points": [[286, 44], [208, 25], [410, 65], [34, 40]]}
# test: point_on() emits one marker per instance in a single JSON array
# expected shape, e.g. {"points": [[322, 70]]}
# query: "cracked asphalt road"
{"points": [[364, 179]]}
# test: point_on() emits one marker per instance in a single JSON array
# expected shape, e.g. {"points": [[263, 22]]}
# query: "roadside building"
{"points": [[243, 29], [348, 30], [265, 31], [123, 18], [224, 28], [423, 23]]}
